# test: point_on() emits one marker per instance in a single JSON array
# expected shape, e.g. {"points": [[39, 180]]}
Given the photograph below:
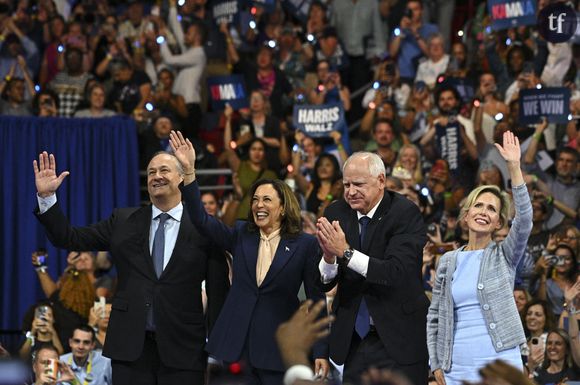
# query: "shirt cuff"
{"points": [[44, 204], [298, 372], [359, 263], [328, 271]]}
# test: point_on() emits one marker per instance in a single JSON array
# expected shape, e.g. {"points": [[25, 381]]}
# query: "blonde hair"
{"points": [[417, 173], [475, 193]]}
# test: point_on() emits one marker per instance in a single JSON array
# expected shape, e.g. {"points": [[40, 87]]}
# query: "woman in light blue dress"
{"points": [[473, 319]]}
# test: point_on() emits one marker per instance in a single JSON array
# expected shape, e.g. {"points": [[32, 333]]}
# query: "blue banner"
{"points": [[553, 103], [227, 89], [449, 143], [225, 11], [508, 13]]}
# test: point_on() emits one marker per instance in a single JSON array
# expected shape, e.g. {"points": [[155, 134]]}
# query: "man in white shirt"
{"points": [[436, 62]]}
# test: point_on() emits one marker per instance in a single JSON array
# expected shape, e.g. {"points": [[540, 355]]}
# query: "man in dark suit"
{"points": [[372, 243], [156, 332]]}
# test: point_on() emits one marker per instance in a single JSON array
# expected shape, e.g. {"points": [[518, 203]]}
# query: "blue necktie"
{"points": [[363, 320], [158, 252]]}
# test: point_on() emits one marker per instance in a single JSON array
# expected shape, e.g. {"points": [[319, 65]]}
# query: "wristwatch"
{"points": [[347, 255]]}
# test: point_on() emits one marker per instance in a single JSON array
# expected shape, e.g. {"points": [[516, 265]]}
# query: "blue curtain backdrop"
{"points": [[102, 157]]}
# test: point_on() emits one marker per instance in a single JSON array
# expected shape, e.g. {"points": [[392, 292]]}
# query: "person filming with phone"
{"points": [[41, 332]]}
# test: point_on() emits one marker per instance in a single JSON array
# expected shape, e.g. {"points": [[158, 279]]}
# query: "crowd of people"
{"points": [[430, 106]]}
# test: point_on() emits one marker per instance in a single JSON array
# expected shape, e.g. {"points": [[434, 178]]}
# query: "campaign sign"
{"points": [[553, 103], [225, 11], [511, 13], [449, 143], [227, 89], [463, 85], [318, 120], [298, 8]]}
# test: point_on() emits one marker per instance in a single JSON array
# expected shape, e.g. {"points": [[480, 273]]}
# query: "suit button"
{"points": [[492, 326], [148, 304], [485, 307], [480, 286], [499, 345]]}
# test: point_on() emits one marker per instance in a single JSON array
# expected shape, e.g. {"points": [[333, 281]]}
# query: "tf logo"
{"points": [[557, 22]]}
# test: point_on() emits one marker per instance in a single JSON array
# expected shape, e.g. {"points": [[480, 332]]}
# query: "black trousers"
{"points": [[370, 352], [149, 370]]}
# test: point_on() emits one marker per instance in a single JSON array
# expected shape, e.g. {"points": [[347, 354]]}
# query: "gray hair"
{"points": [[376, 165]]}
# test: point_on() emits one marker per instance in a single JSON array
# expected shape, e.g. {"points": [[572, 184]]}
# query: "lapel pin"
{"points": [[287, 248]]}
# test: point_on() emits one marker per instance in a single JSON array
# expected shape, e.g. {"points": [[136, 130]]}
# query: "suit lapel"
{"points": [[375, 222], [142, 218], [352, 230], [286, 249], [185, 231], [250, 243]]}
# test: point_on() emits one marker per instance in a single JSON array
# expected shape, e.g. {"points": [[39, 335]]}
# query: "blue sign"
{"points": [[225, 11], [318, 121], [508, 13], [449, 143], [227, 89], [553, 103]]}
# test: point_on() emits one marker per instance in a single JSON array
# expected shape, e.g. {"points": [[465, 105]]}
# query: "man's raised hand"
{"points": [[183, 151], [45, 178]]}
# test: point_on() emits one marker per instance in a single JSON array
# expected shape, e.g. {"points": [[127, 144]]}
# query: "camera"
{"points": [[554, 260]]}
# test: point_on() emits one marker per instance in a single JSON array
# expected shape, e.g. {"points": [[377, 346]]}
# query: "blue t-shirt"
{"points": [[410, 53]]}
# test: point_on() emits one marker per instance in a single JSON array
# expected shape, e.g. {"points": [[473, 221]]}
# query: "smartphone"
{"points": [[244, 129], [41, 313], [100, 307], [52, 367]]}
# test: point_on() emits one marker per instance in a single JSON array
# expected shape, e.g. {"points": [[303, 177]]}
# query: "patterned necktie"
{"points": [[159, 244], [363, 321]]}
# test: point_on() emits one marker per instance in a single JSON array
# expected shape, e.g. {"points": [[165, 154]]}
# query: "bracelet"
{"points": [[229, 40], [7, 78], [550, 200], [40, 269], [537, 136], [329, 197], [340, 146]]}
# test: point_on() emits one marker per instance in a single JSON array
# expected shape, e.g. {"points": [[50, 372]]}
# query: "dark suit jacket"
{"points": [[393, 288], [251, 314], [176, 295]]}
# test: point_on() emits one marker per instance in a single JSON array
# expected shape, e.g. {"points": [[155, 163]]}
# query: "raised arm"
{"points": [[530, 156], [515, 243], [220, 234]]}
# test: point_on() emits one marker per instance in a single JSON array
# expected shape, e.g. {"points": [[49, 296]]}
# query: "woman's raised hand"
{"points": [[510, 150]]}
